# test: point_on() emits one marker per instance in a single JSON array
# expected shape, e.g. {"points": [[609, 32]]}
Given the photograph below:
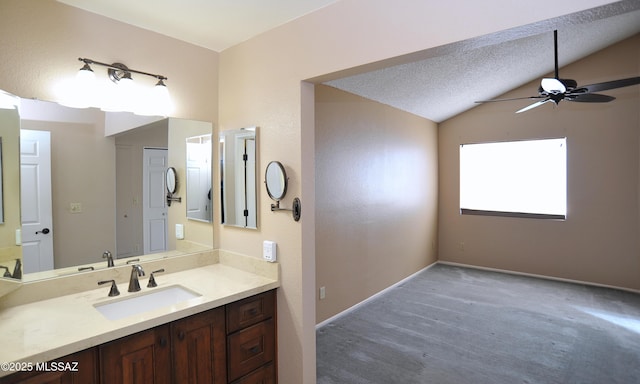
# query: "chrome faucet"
{"points": [[107, 255], [136, 271]]}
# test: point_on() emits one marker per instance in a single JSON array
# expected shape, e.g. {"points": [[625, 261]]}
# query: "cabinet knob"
{"points": [[181, 335], [163, 342]]}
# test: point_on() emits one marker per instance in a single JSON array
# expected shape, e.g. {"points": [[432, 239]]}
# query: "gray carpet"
{"points": [[459, 325]]}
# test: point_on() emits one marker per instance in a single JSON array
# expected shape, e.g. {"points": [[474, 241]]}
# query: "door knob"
{"points": [[44, 231]]}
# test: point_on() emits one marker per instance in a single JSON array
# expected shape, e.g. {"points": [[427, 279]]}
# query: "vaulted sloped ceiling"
{"points": [[442, 82]]}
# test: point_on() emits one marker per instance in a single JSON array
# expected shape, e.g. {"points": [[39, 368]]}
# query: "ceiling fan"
{"points": [[556, 89]]}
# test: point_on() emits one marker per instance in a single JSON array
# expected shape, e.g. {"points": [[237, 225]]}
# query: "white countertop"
{"points": [[48, 329]]}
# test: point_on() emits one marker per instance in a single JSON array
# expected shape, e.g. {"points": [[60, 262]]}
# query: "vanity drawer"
{"points": [[250, 311], [250, 349], [264, 375]]}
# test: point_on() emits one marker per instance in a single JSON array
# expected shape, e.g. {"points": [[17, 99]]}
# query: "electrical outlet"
{"points": [[323, 293], [269, 249], [75, 207]]}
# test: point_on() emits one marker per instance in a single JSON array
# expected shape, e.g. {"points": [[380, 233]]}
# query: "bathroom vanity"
{"points": [[225, 333]]}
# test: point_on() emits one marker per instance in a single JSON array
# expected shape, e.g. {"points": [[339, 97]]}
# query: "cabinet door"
{"points": [[78, 368], [199, 350], [143, 358]]}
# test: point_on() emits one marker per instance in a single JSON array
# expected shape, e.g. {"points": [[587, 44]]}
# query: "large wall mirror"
{"points": [[238, 206], [199, 194], [97, 200]]}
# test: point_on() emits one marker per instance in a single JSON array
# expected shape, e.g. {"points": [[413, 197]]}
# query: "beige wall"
{"points": [[600, 240], [376, 197]]}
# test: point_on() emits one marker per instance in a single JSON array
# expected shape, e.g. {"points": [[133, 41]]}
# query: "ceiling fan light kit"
{"points": [[556, 89]]}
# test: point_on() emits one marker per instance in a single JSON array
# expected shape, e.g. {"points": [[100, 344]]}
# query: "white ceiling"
{"points": [[436, 84], [212, 24]]}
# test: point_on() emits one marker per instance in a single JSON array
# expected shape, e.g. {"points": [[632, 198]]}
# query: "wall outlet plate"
{"points": [[269, 251], [179, 231]]}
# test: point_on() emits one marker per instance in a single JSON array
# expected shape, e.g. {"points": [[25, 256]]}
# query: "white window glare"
{"points": [[519, 178]]}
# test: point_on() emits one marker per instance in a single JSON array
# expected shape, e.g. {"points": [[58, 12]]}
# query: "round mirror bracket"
{"points": [[172, 184], [296, 210], [276, 182]]}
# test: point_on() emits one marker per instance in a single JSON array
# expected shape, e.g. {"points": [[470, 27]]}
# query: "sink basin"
{"points": [[144, 302]]}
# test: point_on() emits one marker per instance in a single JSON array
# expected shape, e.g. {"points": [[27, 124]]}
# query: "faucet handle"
{"points": [[152, 280], [114, 288]]}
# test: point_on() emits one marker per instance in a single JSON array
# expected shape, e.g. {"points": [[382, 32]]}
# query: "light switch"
{"points": [[179, 231]]}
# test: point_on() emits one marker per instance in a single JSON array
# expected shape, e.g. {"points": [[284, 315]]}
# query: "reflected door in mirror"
{"points": [[199, 193], [35, 198]]}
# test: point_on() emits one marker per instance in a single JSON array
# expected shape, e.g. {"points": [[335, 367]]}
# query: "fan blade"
{"points": [[590, 98], [553, 86], [607, 85], [515, 98], [534, 105]]}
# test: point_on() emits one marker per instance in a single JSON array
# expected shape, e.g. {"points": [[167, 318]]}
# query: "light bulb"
{"points": [[81, 91]]}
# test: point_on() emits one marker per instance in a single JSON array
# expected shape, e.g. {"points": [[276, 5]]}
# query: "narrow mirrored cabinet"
{"points": [[238, 202]]}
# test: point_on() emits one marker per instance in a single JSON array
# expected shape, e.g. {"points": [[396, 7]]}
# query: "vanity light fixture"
{"points": [[119, 94]]}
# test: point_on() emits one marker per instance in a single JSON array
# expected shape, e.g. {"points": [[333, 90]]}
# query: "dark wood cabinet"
{"points": [[231, 344], [191, 350], [142, 358], [251, 340], [199, 350]]}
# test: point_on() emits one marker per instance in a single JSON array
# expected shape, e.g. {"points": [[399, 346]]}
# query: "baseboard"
{"points": [[453, 264], [354, 307]]}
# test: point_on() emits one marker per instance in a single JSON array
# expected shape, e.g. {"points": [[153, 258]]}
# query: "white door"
{"points": [[35, 197], [128, 238], [154, 211]]}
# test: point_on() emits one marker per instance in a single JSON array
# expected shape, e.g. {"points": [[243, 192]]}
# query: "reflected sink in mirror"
{"points": [[145, 302]]}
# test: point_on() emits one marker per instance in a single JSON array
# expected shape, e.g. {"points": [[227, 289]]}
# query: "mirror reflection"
{"points": [[10, 249], [94, 199], [199, 170], [276, 180], [238, 178]]}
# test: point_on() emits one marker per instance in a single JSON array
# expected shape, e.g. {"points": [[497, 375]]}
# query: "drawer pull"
{"points": [[255, 349], [181, 335]]}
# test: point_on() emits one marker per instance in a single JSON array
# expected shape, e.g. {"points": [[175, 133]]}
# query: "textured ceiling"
{"points": [[451, 78]]}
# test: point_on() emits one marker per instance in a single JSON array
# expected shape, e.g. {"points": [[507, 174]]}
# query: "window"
{"points": [[518, 178]]}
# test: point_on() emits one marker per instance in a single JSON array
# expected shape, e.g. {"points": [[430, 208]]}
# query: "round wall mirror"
{"points": [[171, 180], [276, 180]]}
